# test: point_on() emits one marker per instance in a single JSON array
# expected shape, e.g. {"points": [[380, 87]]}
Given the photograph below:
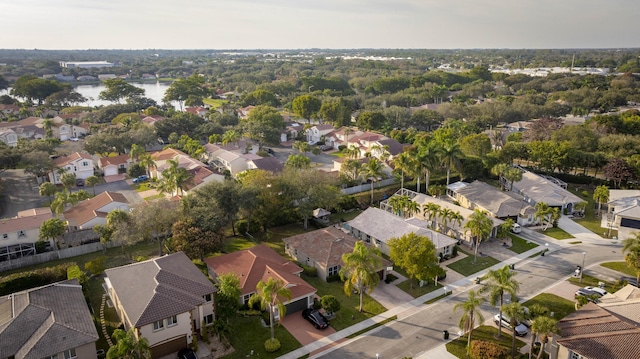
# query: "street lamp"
{"points": [[584, 255]]}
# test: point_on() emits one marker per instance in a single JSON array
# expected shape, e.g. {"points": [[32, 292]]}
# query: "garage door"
{"points": [[630, 223], [168, 347], [296, 306]]}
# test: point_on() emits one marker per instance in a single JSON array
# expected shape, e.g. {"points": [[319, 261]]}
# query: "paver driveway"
{"points": [[302, 330]]}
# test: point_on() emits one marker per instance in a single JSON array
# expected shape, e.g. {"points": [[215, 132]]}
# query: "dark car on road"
{"points": [[79, 182], [187, 354], [630, 280], [316, 318], [141, 179]]}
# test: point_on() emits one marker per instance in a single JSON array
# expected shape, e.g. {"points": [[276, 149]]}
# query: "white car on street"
{"points": [[521, 330]]}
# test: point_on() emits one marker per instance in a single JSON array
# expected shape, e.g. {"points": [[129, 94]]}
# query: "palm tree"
{"points": [[512, 175], [359, 270], [231, 136], [601, 195], [428, 159], [499, 170], [431, 210], [445, 215], [270, 294], [631, 248], [175, 178], [542, 327], [404, 162], [373, 170], [92, 181], [347, 131], [450, 156], [411, 208], [543, 213], [516, 314], [471, 311], [480, 226], [147, 161], [505, 228], [456, 217], [498, 282], [135, 152], [47, 189], [47, 124], [68, 180], [129, 346], [397, 204]]}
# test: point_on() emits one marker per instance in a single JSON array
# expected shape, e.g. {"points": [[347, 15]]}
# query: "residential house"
{"points": [[64, 128], [9, 137], [318, 133], [519, 126], [243, 112], [290, 132], [151, 120], [377, 227], [537, 189], [11, 132], [20, 233], [7, 110], [260, 263], [270, 164], [167, 300], [386, 146], [323, 249], [201, 174], [623, 212], [198, 111], [497, 203], [92, 211], [114, 165], [598, 332], [78, 163], [52, 321]]}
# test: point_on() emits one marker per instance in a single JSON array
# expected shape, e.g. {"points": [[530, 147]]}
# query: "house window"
{"points": [[85, 163], [367, 238], [575, 356], [159, 325], [333, 271], [69, 354], [21, 234], [208, 298], [378, 242], [245, 299], [51, 357], [208, 319], [295, 251], [171, 321]]}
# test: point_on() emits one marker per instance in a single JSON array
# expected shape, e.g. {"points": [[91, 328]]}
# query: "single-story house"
{"points": [[536, 189], [52, 321], [270, 164], [78, 163], [623, 212], [260, 263], [92, 211], [323, 249], [377, 227], [114, 165], [20, 234], [201, 174], [166, 300]]}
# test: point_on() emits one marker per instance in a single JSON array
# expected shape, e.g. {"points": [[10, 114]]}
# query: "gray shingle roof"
{"points": [[159, 288], [47, 320], [500, 204], [542, 190]]}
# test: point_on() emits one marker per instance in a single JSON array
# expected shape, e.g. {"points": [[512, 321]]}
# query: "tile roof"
{"points": [[595, 333], [159, 288], [34, 212], [395, 147], [114, 160], [423, 199], [499, 203], [65, 160], [260, 263], [45, 321], [90, 208], [268, 164], [24, 222], [542, 190], [325, 246]]}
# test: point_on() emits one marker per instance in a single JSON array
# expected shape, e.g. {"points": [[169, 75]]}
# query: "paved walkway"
{"points": [[102, 321]]}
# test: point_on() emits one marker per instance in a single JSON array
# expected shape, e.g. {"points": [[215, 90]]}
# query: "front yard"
{"points": [[519, 245], [559, 306], [487, 333], [467, 267], [555, 232], [621, 267], [247, 337]]}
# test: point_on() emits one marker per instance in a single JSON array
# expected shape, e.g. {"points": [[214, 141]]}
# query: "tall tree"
{"points": [[450, 156], [152, 221], [543, 213], [270, 294], [470, 312], [431, 211], [227, 303], [516, 314], [92, 181], [175, 178], [51, 229], [359, 270], [47, 189], [118, 89], [298, 161], [498, 283], [417, 255], [512, 175], [542, 326], [181, 89], [405, 163], [129, 346], [479, 225], [601, 195], [193, 240], [306, 106], [68, 180], [374, 170]]}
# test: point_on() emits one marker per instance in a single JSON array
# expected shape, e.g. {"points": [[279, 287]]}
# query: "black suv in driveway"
{"points": [[314, 317]]}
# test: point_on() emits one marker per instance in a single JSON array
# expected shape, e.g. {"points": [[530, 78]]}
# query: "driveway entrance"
{"points": [[302, 330]]}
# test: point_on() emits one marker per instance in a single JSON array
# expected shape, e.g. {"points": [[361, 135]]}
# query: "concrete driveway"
{"points": [[302, 330]]}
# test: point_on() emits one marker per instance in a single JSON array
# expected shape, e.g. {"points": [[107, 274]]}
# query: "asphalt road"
{"points": [[21, 193], [421, 331]]}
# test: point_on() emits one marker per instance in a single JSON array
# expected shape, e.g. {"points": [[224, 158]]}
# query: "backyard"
{"points": [[590, 221]]}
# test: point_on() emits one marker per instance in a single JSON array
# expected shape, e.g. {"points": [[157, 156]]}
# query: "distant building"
{"points": [[85, 64]]}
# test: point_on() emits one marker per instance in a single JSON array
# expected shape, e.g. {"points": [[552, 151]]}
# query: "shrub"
{"points": [[454, 252], [41, 246], [333, 278], [249, 312], [330, 303], [243, 226], [136, 170], [75, 272], [341, 148], [481, 349], [346, 203], [272, 345], [311, 272], [34, 278], [96, 266], [266, 318]]}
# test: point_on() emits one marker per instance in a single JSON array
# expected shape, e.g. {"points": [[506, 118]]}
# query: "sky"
{"points": [[330, 24]]}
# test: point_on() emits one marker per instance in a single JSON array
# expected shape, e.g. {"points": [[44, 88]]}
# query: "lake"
{"points": [[152, 90]]}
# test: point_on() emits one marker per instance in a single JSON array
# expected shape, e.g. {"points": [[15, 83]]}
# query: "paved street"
{"points": [[21, 193]]}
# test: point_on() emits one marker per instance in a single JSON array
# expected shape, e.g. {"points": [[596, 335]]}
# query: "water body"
{"points": [[152, 90]]}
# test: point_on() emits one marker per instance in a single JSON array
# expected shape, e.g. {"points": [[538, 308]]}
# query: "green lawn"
{"points": [[621, 267], [237, 244], [590, 221], [94, 292], [519, 245], [557, 233], [214, 102], [466, 266], [345, 216], [248, 335], [144, 186], [559, 306], [417, 290], [487, 333], [591, 281], [273, 237], [348, 314]]}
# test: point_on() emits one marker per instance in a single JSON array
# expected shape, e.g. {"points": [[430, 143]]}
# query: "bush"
{"points": [[310, 271], [266, 318], [330, 303], [136, 170], [347, 203], [454, 252], [316, 304], [333, 278], [75, 272], [481, 349], [243, 226], [341, 148], [34, 278], [96, 266], [272, 345], [41, 246]]}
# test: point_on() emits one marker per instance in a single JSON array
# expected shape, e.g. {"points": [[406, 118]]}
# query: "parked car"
{"points": [[587, 293], [74, 139], [79, 182], [516, 228], [187, 354], [141, 179], [598, 290], [326, 147], [520, 329], [630, 280], [316, 318]]}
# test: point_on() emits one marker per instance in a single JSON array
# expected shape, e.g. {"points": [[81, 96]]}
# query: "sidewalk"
{"points": [[406, 310]]}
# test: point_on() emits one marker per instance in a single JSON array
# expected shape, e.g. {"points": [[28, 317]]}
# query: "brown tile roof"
{"points": [[34, 211], [65, 160], [595, 333], [395, 147], [90, 208], [199, 175], [159, 288], [45, 321], [23, 223], [115, 160], [260, 263]]}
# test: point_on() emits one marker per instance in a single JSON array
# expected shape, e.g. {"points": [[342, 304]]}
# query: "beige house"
{"points": [[111, 166], [199, 171], [167, 300], [52, 321], [92, 211], [318, 133], [535, 189], [79, 163], [19, 235]]}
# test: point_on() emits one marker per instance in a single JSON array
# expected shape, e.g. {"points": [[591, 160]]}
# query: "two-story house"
{"points": [[92, 211], [19, 235], [198, 170], [318, 133], [79, 163], [167, 300]]}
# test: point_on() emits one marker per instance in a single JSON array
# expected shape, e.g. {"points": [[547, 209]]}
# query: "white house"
{"points": [[318, 133], [79, 163], [19, 235], [92, 211]]}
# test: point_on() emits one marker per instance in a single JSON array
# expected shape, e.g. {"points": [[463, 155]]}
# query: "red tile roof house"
{"points": [[92, 211], [112, 166], [52, 321], [165, 299], [323, 249], [259, 264], [80, 163]]}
